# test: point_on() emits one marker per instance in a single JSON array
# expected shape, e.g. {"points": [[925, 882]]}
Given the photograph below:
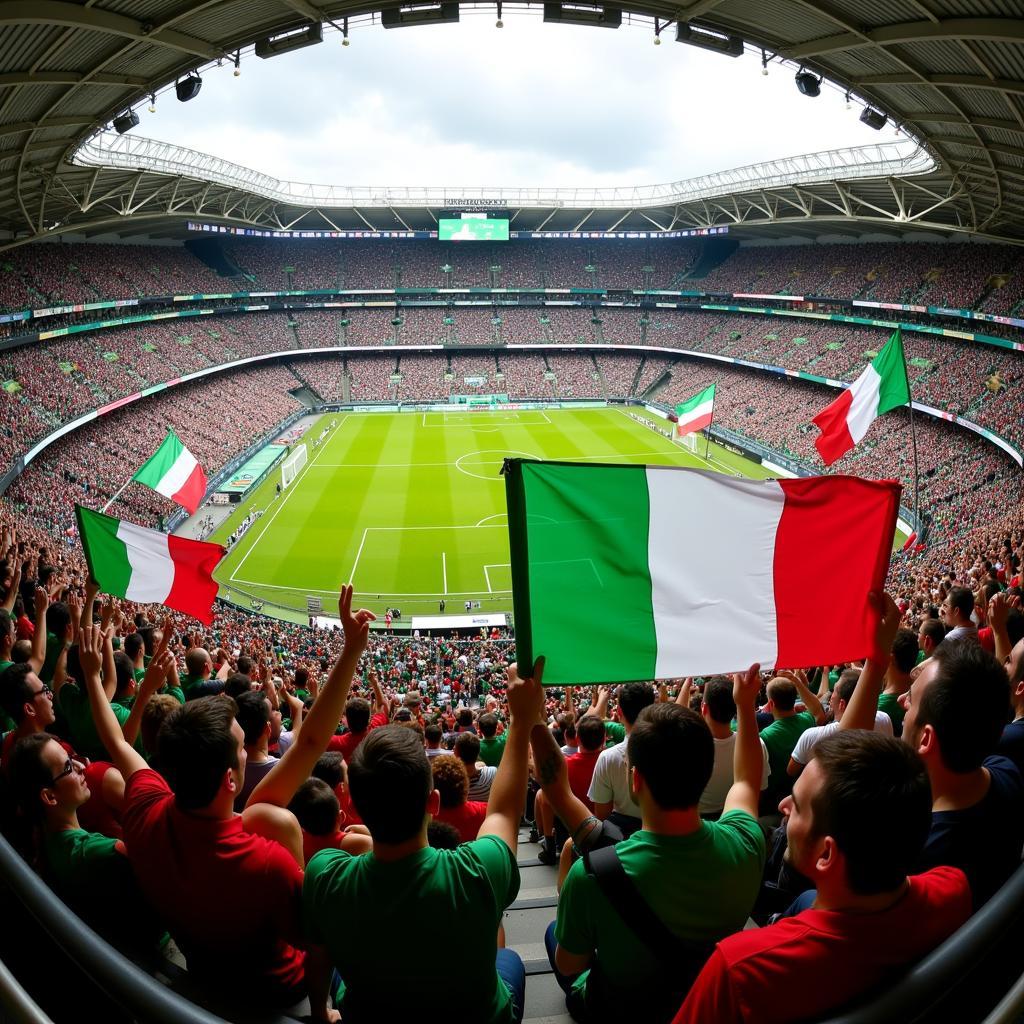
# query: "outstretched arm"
{"points": [[278, 787], [508, 790], [860, 712], [90, 656], [748, 763], [553, 776]]}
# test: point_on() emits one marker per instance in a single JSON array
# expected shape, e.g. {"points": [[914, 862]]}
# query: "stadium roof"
{"points": [[949, 73]]}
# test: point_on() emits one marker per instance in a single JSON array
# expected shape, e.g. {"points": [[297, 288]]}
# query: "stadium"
{"points": [[228, 397]]}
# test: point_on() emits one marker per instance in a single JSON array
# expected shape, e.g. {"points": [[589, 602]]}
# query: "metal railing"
{"points": [[898, 158]]}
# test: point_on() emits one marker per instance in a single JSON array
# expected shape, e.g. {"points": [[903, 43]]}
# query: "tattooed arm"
{"points": [[551, 773]]}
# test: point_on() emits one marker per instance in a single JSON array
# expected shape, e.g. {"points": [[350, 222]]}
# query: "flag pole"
{"points": [[707, 429], [117, 494], [913, 436]]}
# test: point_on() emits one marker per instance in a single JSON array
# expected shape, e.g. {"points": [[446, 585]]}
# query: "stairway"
{"points": [[525, 923]]}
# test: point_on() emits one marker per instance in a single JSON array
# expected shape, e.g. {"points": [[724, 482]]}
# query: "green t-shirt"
{"points": [[74, 704], [702, 886], [96, 880], [890, 704], [454, 897], [614, 732], [780, 738], [492, 749], [6, 722]]}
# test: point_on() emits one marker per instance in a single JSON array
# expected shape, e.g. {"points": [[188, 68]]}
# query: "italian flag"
{"points": [[174, 472], [882, 386], [149, 567], [696, 413], [650, 572]]}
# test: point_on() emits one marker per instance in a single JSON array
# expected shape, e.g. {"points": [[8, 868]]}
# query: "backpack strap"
{"points": [[605, 867]]}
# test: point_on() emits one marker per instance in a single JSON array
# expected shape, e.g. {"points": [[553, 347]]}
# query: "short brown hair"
{"points": [[196, 747], [153, 714]]}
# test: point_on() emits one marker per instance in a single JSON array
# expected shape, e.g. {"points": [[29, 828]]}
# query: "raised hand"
{"points": [[887, 616], [356, 625], [526, 696], [747, 685], [90, 651]]}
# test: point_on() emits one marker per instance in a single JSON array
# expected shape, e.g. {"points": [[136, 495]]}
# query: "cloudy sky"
{"points": [[530, 104]]}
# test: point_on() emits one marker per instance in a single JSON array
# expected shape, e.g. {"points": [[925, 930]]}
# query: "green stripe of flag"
{"points": [[155, 468], [891, 367], [586, 546], [104, 551]]}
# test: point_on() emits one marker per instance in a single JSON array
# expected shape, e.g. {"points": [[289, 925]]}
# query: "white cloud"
{"points": [[530, 105]]}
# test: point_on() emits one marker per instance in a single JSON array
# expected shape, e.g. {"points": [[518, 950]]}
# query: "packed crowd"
{"points": [[383, 779], [308, 777], [959, 275]]}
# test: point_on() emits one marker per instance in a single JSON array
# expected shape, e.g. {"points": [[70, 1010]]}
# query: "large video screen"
{"points": [[472, 229]]}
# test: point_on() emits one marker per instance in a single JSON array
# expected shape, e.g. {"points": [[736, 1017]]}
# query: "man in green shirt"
{"points": [[405, 890], [780, 737], [492, 745], [698, 878], [897, 677]]}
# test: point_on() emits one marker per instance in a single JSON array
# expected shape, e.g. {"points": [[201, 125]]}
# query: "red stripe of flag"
{"points": [[194, 588], [835, 439], [832, 521]]}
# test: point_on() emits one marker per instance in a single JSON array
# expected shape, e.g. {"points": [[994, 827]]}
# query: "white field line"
{"points": [[444, 571], [284, 500], [417, 465], [364, 593], [487, 576], [359, 553]]}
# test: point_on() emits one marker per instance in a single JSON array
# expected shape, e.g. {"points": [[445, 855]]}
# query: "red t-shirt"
{"points": [[346, 745], [467, 819], [580, 767], [987, 639], [231, 899], [312, 844], [788, 971]]}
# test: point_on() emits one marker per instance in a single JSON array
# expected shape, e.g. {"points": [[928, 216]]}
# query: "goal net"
{"points": [[689, 441], [291, 465]]}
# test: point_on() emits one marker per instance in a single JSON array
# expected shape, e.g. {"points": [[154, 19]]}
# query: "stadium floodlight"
{"points": [[287, 42], [728, 46], [344, 31], [152, 102], [125, 122], [573, 14], [436, 14], [808, 84], [873, 118], [499, 23], [238, 62], [187, 88]]}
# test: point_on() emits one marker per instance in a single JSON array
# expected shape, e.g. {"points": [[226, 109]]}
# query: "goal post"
{"points": [[292, 464]]}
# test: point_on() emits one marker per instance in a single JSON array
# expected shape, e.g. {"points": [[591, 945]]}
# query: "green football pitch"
{"points": [[410, 507]]}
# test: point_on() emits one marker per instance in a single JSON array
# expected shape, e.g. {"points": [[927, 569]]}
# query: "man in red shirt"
{"points": [[857, 821], [227, 885], [359, 722]]}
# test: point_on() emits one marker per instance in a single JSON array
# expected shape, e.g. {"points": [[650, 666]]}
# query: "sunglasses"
{"points": [[72, 765]]}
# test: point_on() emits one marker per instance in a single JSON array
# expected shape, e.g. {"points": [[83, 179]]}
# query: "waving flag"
{"points": [[696, 413], [648, 572], [173, 471]]}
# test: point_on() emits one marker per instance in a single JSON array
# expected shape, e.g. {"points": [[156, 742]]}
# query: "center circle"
{"points": [[503, 452]]}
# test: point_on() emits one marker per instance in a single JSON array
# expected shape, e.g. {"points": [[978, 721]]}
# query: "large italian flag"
{"points": [[148, 566], [649, 572], [173, 471], [882, 386], [696, 413]]}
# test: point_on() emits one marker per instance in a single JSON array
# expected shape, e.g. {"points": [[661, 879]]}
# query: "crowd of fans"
{"points": [[958, 275], [724, 799]]}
